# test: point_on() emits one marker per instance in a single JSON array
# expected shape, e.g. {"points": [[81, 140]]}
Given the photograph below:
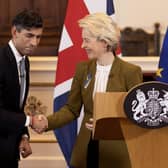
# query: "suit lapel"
{"points": [[113, 75], [27, 78], [14, 71], [13, 65], [88, 84], [92, 71]]}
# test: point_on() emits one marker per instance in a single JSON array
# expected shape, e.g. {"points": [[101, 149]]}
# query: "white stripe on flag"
{"points": [[62, 88], [66, 41], [100, 7], [96, 6]]}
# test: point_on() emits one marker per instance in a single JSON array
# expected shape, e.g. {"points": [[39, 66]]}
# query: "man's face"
{"points": [[26, 41]]}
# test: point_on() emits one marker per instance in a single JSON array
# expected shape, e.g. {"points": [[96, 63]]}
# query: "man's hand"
{"points": [[24, 147], [89, 125], [39, 123]]}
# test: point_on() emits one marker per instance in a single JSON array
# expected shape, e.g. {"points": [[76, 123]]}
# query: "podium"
{"points": [[147, 148]]}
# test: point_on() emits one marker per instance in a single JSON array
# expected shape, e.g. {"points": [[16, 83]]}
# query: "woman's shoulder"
{"points": [[127, 65]]}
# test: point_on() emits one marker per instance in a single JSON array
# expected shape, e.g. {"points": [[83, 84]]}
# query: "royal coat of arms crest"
{"points": [[147, 105]]}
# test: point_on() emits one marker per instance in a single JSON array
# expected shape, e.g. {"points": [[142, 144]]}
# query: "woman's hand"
{"points": [[89, 125]]}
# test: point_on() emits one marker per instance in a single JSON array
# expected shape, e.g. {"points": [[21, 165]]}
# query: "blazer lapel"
{"points": [[113, 75], [92, 71], [88, 84]]}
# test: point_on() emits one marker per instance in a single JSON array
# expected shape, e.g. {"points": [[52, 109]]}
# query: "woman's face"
{"points": [[93, 47]]}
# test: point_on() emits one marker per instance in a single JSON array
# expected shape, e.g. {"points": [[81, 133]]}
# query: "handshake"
{"points": [[38, 123]]}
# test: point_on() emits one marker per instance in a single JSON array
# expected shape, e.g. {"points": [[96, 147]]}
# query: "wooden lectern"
{"points": [[148, 148]]}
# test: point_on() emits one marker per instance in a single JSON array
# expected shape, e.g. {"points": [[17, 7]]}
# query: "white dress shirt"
{"points": [[101, 78], [18, 58]]}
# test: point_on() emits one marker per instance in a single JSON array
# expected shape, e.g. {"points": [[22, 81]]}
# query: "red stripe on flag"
{"points": [[69, 57], [74, 13], [118, 50], [67, 63]]}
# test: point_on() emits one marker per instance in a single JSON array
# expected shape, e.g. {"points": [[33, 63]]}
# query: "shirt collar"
{"points": [[17, 55], [103, 68]]}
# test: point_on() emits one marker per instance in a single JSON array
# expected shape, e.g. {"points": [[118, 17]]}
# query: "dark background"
{"points": [[133, 42], [53, 13]]}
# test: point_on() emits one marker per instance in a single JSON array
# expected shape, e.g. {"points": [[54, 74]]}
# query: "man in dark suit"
{"points": [[26, 32]]}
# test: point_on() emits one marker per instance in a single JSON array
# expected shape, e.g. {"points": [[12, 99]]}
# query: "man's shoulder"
{"points": [[3, 50]]}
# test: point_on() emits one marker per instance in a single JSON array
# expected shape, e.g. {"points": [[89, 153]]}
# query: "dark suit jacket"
{"points": [[12, 118], [123, 76]]}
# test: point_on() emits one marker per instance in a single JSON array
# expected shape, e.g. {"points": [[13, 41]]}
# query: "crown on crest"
{"points": [[153, 94]]}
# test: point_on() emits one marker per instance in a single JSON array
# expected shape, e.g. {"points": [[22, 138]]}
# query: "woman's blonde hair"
{"points": [[103, 28]]}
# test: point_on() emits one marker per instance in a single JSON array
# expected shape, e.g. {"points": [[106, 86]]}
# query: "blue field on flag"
{"points": [[162, 72]]}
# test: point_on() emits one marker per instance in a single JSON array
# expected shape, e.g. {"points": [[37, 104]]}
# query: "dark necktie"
{"points": [[22, 80]]}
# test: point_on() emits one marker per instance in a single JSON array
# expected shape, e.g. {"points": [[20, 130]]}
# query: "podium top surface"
{"points": [[109, 105]]}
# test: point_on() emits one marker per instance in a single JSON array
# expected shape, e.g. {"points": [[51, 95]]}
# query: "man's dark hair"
{"points": [[27, 19]]}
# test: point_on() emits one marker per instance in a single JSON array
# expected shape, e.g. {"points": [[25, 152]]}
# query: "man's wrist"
{"points": [[29, 121], [25, 137]]}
